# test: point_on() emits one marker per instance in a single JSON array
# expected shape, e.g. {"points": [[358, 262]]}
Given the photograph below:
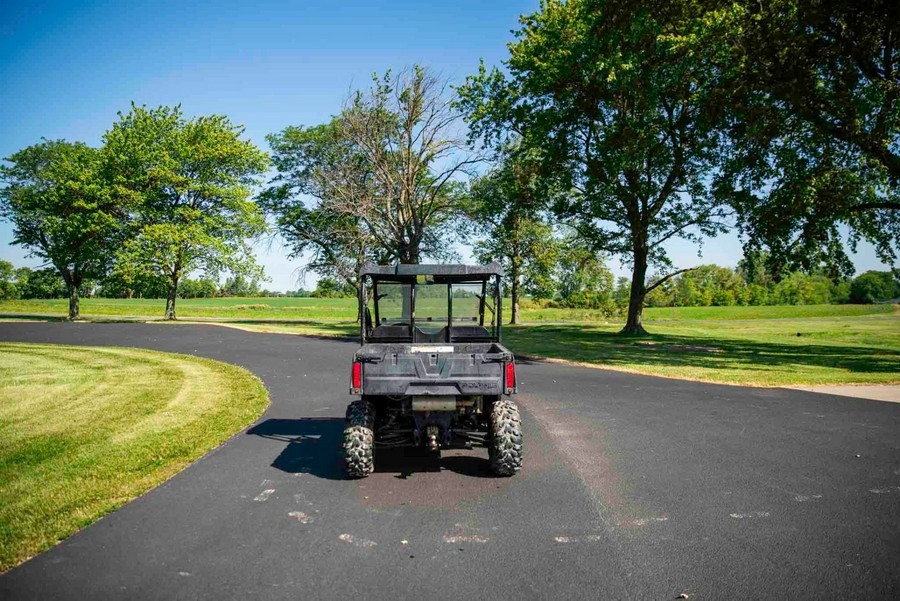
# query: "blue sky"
{"points": [[66, 68]]}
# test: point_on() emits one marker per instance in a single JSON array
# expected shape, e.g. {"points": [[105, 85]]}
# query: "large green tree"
{"points": [[621, 114], [56, 195], [508, 208], [812, 96], [193, 180]]}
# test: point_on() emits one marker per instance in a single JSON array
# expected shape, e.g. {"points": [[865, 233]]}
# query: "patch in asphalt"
{"points": [[805, 498], [358, 542], [264, 495], [750, 515], [641, 522], [464, 538], [301, 517], [591, 538]]}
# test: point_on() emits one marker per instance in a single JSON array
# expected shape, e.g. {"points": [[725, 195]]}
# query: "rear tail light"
{"points": [[356, 378], [510, 377]]}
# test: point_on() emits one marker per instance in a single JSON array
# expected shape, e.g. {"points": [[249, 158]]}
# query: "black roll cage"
{"points": [[448, 275]]}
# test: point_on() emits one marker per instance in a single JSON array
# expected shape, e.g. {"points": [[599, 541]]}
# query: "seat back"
{"points": [[474, 333]]}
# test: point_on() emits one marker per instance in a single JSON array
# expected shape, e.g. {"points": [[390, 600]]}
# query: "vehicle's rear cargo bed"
{"points": [[465, 369]]}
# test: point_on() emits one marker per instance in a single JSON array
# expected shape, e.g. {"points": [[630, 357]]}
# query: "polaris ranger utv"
{"points": [[431, 371]]}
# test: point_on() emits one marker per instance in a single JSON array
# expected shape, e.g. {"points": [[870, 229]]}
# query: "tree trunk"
{"points": [[409, 256], [74, 303], [514, 294], [72, 284], [633, 325], [170, 300]]}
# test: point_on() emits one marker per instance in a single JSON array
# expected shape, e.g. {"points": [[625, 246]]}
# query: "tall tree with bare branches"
{"points": [[385, 172]]}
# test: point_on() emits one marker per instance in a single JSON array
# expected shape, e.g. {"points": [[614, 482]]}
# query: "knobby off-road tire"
{"points": [[359, 439], [505, 447]]}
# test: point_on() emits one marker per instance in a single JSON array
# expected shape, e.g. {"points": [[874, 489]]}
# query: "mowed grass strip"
{"points": [[761, 352], [84, 430], [345, 309], [848, 350]]}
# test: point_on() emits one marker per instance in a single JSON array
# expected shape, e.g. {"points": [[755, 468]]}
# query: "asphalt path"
{"points": [[634, 487]]}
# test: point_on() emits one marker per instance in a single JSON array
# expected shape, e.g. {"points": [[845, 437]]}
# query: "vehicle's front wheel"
{"points": [[359, 439], [505, 444]]}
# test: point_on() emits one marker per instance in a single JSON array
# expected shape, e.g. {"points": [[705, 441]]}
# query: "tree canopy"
{"points": [[507, 207], [193, 178], [620, 113], [63, 210], [811, 94], [378, 182]]}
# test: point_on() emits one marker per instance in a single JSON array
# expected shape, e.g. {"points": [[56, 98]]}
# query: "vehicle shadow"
{"points": [[314, 446], [403, 462]]}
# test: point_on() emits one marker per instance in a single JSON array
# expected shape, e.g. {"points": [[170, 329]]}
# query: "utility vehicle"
{"points": [[431, 371]]}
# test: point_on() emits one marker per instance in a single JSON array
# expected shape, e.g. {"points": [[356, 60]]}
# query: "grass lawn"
{"points": [[837, 350], [345, 308], [838, 344], [241, 308], [759, 352], [84, 430]]}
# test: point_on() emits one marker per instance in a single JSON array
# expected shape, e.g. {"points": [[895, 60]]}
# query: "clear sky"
{"points": [[66, 68]]}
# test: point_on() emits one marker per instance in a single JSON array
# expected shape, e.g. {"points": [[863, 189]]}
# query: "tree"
{"points": [[193, 180], [133, 285], [41, 283], [620, 113], [507, 207], [62, 209], [833, 64], [583, 279], [709, 285], [331, 288], [202, 288], [238, 285], [813, 102], [383, 176], [9, 280], [309, 161], [873, 287]]}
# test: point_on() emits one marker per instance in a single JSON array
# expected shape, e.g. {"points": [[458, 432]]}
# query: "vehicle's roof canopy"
{"points": [[399, 269]]}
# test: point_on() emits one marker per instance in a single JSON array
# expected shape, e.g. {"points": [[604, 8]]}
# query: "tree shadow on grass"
{"points": [[580, 343]]}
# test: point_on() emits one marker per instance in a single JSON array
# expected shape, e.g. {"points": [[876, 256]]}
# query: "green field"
{"points": [[768, 345], [84, 430], [256, 308], [345, 308], [831, 350]]}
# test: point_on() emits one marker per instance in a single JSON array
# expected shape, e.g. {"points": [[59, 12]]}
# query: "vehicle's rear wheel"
{"points": [[359, 439], [505, 445]]}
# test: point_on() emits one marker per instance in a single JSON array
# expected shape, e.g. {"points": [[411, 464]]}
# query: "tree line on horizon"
{"points": [[612, 129], [582, 286]]}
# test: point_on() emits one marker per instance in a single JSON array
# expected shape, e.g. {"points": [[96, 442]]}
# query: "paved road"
{"points": [[634, 488]]}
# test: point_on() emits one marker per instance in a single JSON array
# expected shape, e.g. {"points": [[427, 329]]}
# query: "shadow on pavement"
{"points": [[314, 446], [406, 461]]}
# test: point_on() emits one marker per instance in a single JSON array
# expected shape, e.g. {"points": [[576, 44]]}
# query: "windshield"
{"points": [[393, 303], [431, 306], [432, 311], [467, 302]]}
